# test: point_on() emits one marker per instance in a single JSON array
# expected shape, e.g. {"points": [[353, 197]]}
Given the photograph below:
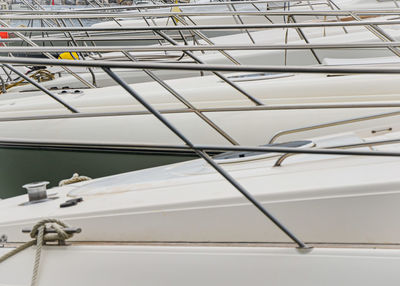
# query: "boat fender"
{"points": [[4, 35], [68, 56]]}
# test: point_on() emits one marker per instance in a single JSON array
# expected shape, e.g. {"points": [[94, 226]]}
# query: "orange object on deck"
{"points": [[4, 35]]}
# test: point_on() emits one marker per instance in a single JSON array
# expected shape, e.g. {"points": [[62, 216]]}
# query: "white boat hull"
{"points": [[248, 127], [104, 265]]}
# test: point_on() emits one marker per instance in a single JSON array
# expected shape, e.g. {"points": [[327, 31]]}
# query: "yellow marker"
{"points": [[176, 9], [68, 56]]}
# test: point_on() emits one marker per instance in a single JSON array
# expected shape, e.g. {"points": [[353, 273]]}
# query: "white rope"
{"points": [[39, 244], [74, 179], [39, 238]]}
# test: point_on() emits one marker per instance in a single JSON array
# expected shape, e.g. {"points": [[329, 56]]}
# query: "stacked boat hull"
{"points": [[321, 208], [214, 265], [115, 123]]}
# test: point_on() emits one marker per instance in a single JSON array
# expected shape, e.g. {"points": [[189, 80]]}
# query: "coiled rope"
{"points": [[74, 179], [39, 238], [41, 75]]}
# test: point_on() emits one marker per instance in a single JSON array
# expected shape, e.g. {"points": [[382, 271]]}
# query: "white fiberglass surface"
{"points": [[194, 169], [128, 181], [197, 266]]}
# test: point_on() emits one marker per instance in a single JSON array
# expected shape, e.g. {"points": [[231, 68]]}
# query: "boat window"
{"points": [[257, 76], [246, 154]]}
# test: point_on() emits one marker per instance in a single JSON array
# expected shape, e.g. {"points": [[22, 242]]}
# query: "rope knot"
{"points": [[40, 236], [38, 231]]}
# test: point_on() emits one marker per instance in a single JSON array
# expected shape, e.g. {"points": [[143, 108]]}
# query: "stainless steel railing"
{"points": [[332, 124], [279, 162]]}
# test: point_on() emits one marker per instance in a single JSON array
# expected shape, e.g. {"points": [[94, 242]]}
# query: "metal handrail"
{"points": [[179, 48], [204, 27], [207, 40], [202, 110], [331, 124], [303, 37], [180, 28], [382, 35], [279, 162], [239, 18], [126, 147], [61, 22], [42, 15], [203, 67], [45, 90], [221, 76], [187, 103], [174, 93]]}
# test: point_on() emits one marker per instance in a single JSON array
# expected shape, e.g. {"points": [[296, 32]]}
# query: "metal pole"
{"points": [[185, 102], [303, 36], [205, 156], [221, 76], [331, 124], [45, 90], [204, 67], [98, 49], [207, 40], [201, 27]]}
